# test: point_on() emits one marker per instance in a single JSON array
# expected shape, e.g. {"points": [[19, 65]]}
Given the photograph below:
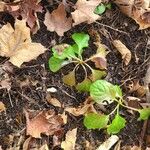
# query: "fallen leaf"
{"points": [[85, 11], [27, 9], [69, 143], [53, 101], [124, 51], [87, 107], [2, 107], [139, 10], [69, 79], [2, 6], [46, 122], [16, 43], [64, 117], [44, 147], [108, 143], [5, 83], [58, 21], [26, 143]]}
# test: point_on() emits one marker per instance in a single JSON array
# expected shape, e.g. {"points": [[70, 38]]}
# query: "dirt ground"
{"points": [[37, 77]]}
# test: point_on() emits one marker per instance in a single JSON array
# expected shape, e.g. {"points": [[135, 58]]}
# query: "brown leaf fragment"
{"points": [[16, 44], [69, 143], [85, 11], [46, 122], [57, 20], [124, 51], [2, 107], [139, 10], [87, 107], [2, 6]]}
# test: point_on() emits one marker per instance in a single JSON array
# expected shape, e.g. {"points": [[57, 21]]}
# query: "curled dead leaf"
{"points": [[16, 43], [85, 11], [124, 51], [69, 143], [87, 107], [58, 21], [46, 122]]}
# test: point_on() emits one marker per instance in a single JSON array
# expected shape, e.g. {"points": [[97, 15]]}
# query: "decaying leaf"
{"points": [[2, 107], [2, 6], [46, 122], [139, 10], [85, 11], [5, 83], [124, 51], [87, 107], [53, 101], [27, 9], [16, 43], [69, 143], [108, 143], [69, 79], [58, 21], [134, 86]]}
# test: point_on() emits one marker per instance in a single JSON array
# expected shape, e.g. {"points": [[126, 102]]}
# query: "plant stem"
{"points": [[116, 108]]}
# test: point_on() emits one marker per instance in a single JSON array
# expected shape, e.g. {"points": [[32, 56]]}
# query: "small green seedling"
{"points": [[65, 54], [103, 92], [102, 8]]}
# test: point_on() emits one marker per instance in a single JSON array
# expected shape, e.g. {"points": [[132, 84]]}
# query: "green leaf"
{"points": [[100, 9], [118, 91], [97, 74], [84, 86], [117, 124], [55, 64], [66, 53], [102, 91], [69, 79], [109, 6], [81, 39], [96, 121], [144, 114]]}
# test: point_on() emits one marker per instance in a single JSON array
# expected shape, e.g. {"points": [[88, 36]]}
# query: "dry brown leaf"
{"points": [[64, 117], [69, 143], [46, 122], [5, 83], [139, 10], [124, 51], [2, 107], [2, 6], [85, 11], [16, 44], [26, 143], [27, 9], [82, 110], [58, 21]]}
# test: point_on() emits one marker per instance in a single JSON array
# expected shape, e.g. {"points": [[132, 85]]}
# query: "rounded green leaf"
{"points": [[81, 39], [144, 114], [100, 9], [102, 91], [97, 74], [117, 124], [96, 121], [55, 64]]}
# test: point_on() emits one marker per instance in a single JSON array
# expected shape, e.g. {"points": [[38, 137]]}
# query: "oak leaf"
{"points": [[46, 122], [85, 11], [16, 43], [57, 20], [69, 143]]}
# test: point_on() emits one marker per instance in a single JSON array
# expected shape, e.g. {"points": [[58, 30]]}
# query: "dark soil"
{"points": [[113, 25]]}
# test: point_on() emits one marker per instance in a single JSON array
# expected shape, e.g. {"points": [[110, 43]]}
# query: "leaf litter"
{"points": [[16, 45]]}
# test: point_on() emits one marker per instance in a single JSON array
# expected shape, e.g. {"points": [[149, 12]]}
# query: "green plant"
{"points": [[65, 54], [105, 93], [102, 8]]}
